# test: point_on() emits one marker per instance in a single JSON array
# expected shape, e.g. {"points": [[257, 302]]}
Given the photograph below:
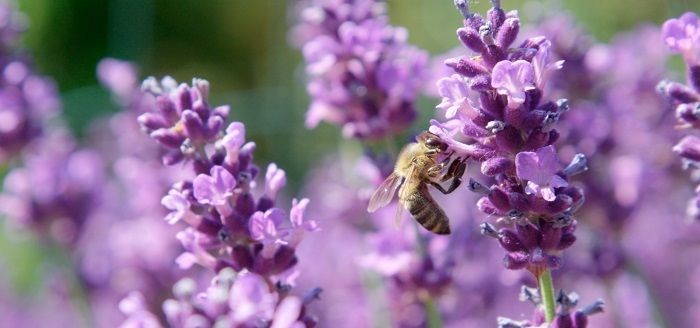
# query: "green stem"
{"points": [[547, 293], [432, 313]]}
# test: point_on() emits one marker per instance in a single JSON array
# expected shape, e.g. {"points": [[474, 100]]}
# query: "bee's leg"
{"points": [[455, 171], [435, 170]]}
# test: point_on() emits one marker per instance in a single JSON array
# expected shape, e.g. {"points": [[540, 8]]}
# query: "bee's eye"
{"points": [[436, 143]]}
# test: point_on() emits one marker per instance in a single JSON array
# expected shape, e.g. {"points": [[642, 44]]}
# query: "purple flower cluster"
{"points": [[363, 75], [56, 189], [231, 300], [567, 314], [496, 114], [682, 35], [230, 224], [27, 100], [94, 202]]}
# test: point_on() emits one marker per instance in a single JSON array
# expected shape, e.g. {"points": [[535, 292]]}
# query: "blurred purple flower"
{"points": [[135, 308], [251, 299], [363, 75], [120, 77], [682, 35]]}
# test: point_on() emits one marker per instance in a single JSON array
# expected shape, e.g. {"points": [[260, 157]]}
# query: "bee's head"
{"points": [[432, 141]]}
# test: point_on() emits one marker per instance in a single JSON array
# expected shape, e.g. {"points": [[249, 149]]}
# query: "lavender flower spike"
{"points": [[509, 122], [363, 75], [682, 35], [229, 227]]}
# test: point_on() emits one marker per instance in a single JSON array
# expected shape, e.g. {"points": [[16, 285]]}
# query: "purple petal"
{"points": [[547, 193], [527, 168], [214, 189], [251, 299], [296, 214], [275, 179], [177, 204], [287, 313], [548, 160]]}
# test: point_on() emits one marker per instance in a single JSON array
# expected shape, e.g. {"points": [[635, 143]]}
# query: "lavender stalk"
{"points": [[230, 227], [497, 114]]}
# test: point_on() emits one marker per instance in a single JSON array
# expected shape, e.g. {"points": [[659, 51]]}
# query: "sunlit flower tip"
{"points": [[288, 313], [178, 205], [275, 179], [264, 227], [513, 79], [215, 188], [296, 216], [542, 63], [682, 35], [120, 77], [135, 309], [251, 299], [539, 168], [233, 140], [688, 148], [454, 93]]}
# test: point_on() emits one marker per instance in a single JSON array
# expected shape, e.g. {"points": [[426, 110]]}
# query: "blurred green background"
{"points": [[242, 48]]}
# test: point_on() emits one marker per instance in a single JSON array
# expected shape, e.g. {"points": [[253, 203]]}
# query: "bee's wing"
{"points": [[384, 193], [400, 208], [408, 181], [398, 219]]}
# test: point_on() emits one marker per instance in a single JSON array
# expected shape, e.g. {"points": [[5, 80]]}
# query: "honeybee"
{"points": [[418, 166]]}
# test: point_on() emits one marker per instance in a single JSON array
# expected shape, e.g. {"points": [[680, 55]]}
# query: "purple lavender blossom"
{"points": [[214, 188], [511, 124], [615, 119], [682, 35], [27, 101], [539, 169], [230, 226], [56, 189], [513, 79], [567, 314], [243, 299], [509, 129], [183, 118], [363, 75]]}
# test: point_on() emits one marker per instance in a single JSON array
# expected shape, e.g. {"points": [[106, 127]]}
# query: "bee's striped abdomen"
{"points": [[426, 211]]}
